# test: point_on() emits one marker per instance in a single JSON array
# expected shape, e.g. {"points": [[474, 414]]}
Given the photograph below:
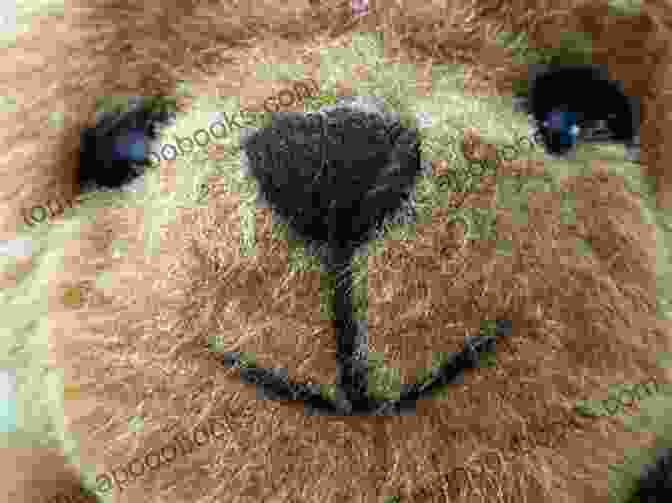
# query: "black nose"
{"points": [[328, 193]]}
